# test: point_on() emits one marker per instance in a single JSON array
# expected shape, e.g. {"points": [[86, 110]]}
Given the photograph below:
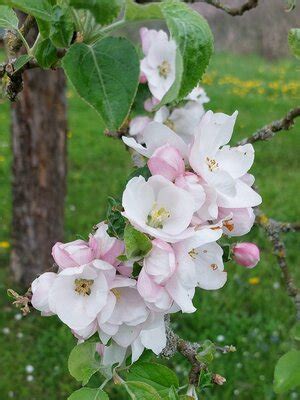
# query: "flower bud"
{"points": [[73, 254], [246, 254], [166, 161]]}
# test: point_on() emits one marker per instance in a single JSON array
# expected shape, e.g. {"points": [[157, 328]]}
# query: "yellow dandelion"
{"points": [[254, 281], [69, 94], [4, 245], [69, 134], [2, 159]]}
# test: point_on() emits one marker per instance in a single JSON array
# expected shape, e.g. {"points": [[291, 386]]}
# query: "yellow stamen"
{"points": [[117, 293], [193, 253], [164, 69], [170, 124], [157, 217], [212, 164], [83, 286]]}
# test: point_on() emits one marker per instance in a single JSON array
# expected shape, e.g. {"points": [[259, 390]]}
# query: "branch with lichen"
{"points": [[269, 131], [274, 230], [233, 11]]}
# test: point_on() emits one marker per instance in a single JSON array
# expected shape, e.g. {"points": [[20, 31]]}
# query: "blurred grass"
{"points": [[252, 312]]}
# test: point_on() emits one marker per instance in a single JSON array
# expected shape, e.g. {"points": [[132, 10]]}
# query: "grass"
{"points": [[252, 312]]}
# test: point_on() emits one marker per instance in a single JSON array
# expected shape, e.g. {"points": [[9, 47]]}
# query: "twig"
{"points": [[14, 41], [233, 11], [269, 131], [274, 229]]}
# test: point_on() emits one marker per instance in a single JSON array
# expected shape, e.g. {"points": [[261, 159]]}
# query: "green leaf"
{"points": [[46, 54], [139, 12], [106, 76], [88, 394], [40, 9], [115, 220], [290, 5], [142, 391], [172, 394], [44, 27], [137, 244], [194, 38], [294, 41], [136, 269], [8, 18], [104, 11], [82, 362], [156, 375], [206, 352], [143, 171], [295, 331], [62, 27], [21, 61], [287, 372], [226, 252]]}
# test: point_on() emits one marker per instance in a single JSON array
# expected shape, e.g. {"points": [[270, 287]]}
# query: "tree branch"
{"points": [[270, 130], [233, 11], [274, 229]]}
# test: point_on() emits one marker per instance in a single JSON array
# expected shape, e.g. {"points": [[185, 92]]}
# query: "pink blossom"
{"points": [[246, 254], [72, 254], [236, 221], [166, 161], [150, 103]]}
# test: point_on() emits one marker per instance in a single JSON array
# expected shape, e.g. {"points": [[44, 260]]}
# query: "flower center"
{"points": [[229, 225], [157, 217], [170, 124], [164, 69], [212, 164], [214, 267], [193, 253], [117, 293], [83, 286]]}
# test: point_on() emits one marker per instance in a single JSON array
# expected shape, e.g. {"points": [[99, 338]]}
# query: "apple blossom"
{"points": [[156, 135], [158, 65], [198, 95], [40, 288], [246, 254], [221, 166], [236, 221], [136, 127], [150, 103], [72, 254], [192, 183], [159, 208], [78, 294], [105, 247], [166, 161]]}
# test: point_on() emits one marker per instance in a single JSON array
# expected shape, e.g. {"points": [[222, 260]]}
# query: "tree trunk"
{"points": [[39, 129]]}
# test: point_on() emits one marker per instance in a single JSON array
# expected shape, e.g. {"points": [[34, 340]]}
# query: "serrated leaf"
{"points": [[21, 61], [194, 38], [287, 372], [46, 54], [115, 220], [143, 391], [40, 9], [106, 76], [8, 18], [88, 394], [137, 244], [104, 11], [156, 375], [139, 12], [62, 27], [205, 354], [294, 41], [82, 362]]}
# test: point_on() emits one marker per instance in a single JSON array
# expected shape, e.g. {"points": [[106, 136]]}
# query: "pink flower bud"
{"points": [[166, 161], [72, 254], [150, 103], [143, 78], [246, 254]]}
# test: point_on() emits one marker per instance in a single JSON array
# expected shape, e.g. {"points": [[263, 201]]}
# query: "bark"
{"points": [[39, 129]]}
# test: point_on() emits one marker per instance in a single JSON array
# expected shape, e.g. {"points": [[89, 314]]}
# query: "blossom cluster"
{"points": [[199, 190]]}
